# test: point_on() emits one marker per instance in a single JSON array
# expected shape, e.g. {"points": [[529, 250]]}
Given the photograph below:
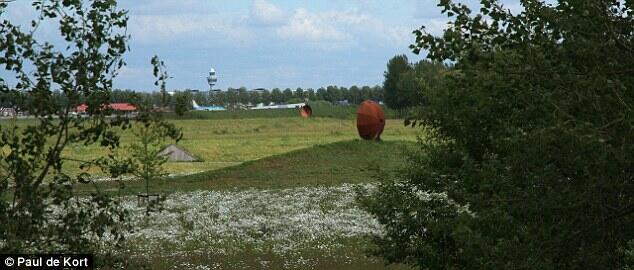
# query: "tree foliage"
{"points": [[182, 103], [396, 67], [530, 165], [38, 210], [406, 84], [160, 72]]}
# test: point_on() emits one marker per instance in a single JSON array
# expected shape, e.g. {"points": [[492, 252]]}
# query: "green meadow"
{"points": [[221, 143], [273, 192]]}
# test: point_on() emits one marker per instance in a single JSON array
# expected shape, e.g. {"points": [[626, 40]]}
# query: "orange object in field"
{"points": [[370, 120], [306, 111]]}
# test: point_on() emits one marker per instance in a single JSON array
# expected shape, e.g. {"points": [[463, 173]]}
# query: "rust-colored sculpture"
{"points": [[305, 111], [370, 120]]}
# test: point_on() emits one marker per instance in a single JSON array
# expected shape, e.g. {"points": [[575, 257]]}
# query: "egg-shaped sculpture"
{"points": [[370, 120], [305, 111]]}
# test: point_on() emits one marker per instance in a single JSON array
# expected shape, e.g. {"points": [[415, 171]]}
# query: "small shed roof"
{"points": [[176, 153]]}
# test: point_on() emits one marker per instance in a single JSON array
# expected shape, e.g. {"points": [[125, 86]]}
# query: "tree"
{"points": [[266, 97], [529, 165], [232, 96], [158, 67], [218, 98], [182, 103], [377, 93], [151, 131], [344, 94], [406, 84], [299, 93], [332, 93], [254, 98], [396, 67], [288, 94], [199, 97], [310, 94], [42, 213], [277, 96], [414, 85], [146, 161], [243, 96], [321, 93], [366, 92], [410, 92], [355, 95], [155, 98]]}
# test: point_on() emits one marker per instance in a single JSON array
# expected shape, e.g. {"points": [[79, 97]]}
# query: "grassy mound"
{"points": [[331, 164], [353, 161]]}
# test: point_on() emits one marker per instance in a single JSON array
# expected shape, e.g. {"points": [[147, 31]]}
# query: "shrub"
{"points": [[532, 164]]}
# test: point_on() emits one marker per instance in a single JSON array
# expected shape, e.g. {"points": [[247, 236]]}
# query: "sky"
{"points": [[266, 43]]}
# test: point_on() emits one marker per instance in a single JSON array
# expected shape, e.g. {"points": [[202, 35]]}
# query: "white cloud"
{"points": [[436, 26], [135, 72], [347, 17], [426, 9], [394, 34], [331, 30], [369, 28], [310, 27], [141, 75], [166, 7], [193, 29], [266, 13], [267, 22]]}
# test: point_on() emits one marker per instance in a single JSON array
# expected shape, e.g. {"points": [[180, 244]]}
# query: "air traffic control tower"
{"points": [[211, 80]]}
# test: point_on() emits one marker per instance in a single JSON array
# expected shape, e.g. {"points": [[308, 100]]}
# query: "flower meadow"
{"points": [[289, 228]]}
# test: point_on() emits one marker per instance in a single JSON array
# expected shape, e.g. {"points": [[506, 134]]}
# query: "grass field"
{"points": [[227, 142], [270, 193]]}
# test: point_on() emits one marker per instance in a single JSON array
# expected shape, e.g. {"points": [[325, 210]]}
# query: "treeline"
{"points": [[352, 95], [407, 84], [183, 98]]}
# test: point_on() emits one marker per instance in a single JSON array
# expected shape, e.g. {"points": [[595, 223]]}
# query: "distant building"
{"points": [[258, 90], [119, 107], [7, 112]]}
